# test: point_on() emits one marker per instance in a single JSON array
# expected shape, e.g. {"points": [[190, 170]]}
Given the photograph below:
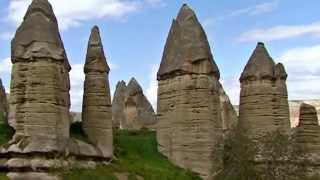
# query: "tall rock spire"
{"points": [[96, 109], [308, 132], [188, 98], [40, 101], [263, 99], [187, 49]]}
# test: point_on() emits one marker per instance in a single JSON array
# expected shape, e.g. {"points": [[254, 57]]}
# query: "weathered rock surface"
{"points": [[308, 131], [3, 102], [96, 111], [39, 99], [138, 110], [118, 106], [263, 98], [189, 115], [229, 115]]}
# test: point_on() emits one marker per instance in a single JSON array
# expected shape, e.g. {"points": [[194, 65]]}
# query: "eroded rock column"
{"points": [[39, 99], [188, 98], [263, 98], [308, 132], [96, 110]]}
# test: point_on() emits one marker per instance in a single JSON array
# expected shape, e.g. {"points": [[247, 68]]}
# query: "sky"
{"points": [[134, 33]]}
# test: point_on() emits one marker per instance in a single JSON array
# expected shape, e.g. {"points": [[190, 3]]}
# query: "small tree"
{"points": [[238, 157]]}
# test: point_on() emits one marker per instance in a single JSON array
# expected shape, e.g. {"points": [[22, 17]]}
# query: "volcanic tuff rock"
{"points": [[39, 99], [3, 102], [118, 106], [138, 110], [131, 108], [308, 130], [190, 122], [263, 98], [96, 110]]}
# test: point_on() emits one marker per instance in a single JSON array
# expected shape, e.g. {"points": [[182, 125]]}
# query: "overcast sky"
{"points": [[134, 34]]}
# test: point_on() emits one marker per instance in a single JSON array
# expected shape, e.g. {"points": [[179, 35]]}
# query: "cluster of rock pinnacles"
{"points": [[193, 110]]}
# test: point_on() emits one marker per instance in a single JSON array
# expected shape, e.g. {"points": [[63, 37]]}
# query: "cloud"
{"points": [[5, 66], [303, 68], [152, 90], [280, 32], [76, 83], [6, 35], [68, 15], [231, 86], [256, 9], [248, 11]]}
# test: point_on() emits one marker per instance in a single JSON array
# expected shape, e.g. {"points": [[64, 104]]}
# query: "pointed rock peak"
{"points": [[308, 115], [280, 71], [121, 84], [134, 87], [95, 60], [95, 38], [259, 66], [41, 6], [38, 35], [187, 48], [185, 13]]}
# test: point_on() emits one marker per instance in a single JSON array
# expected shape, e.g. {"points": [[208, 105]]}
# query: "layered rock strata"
{"points": [[189, 116], [308, 131], [96, 110], [263, 98]]}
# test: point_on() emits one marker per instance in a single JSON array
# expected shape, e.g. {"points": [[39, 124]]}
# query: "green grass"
{"points": [[137, 155], [3, 176]]}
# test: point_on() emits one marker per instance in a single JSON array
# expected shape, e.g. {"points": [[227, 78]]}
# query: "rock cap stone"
{"points": [[187, 47], [95, 60], [38, 36], [259, 66]]}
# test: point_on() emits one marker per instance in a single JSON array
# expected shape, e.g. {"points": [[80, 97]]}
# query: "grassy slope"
{"points": [[137, 155]]}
